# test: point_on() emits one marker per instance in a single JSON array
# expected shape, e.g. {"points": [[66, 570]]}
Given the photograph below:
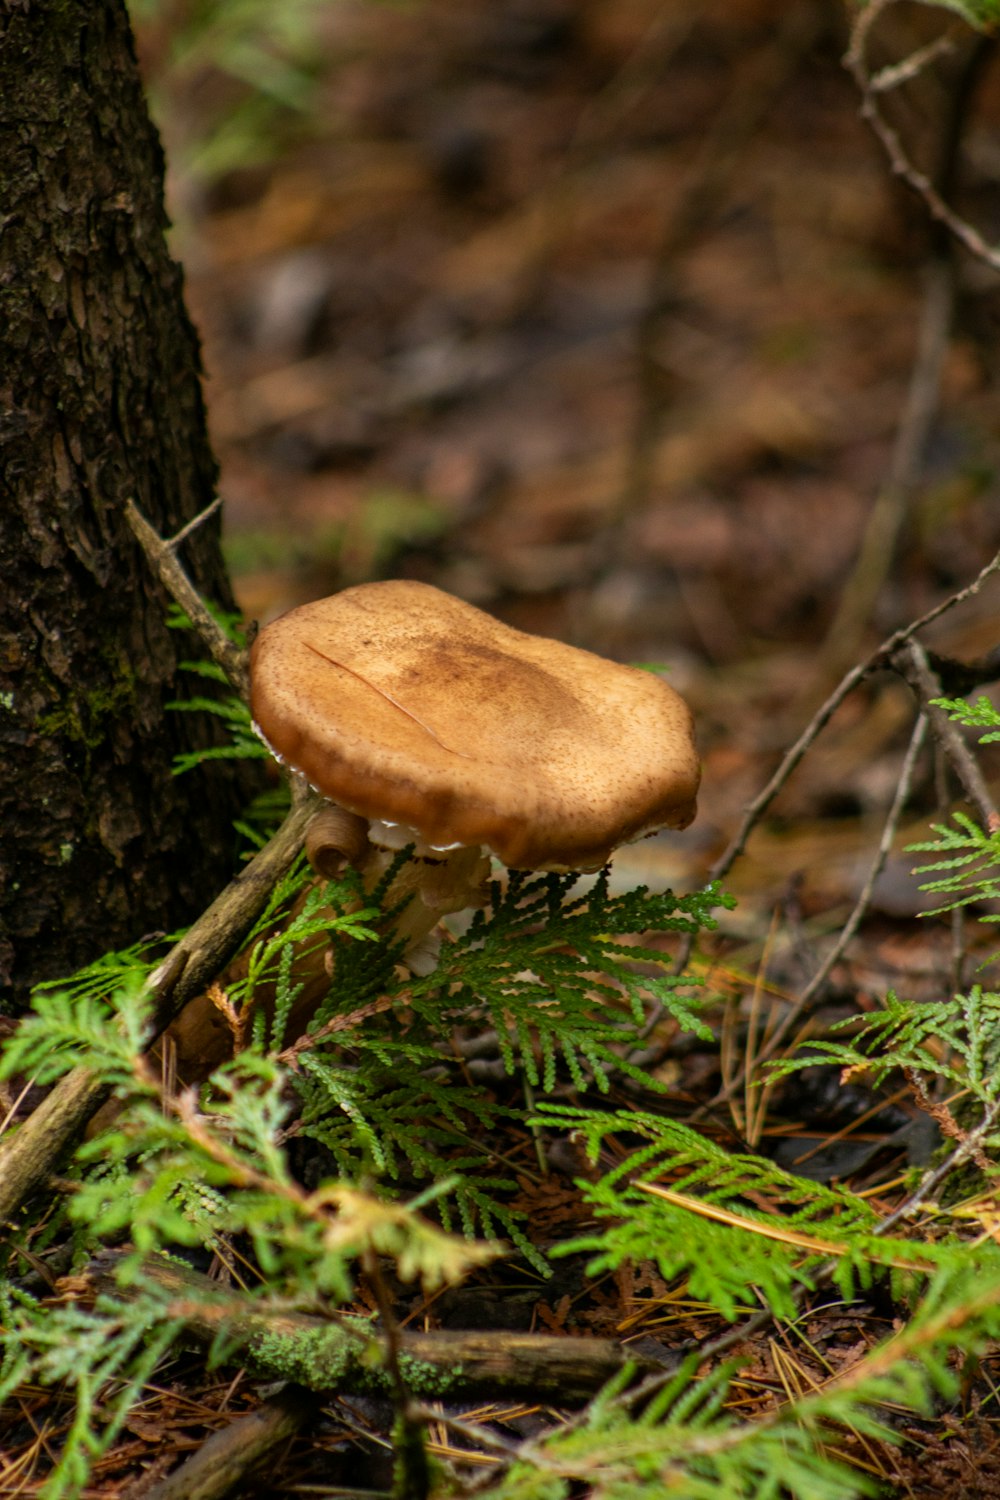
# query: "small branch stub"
{"points": [[162, 557]]}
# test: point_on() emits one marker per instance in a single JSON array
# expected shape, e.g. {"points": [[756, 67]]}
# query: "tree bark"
{"points": [[100, 401], [30, 1153]]}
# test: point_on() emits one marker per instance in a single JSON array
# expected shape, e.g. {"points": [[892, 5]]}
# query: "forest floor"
{"points": [[606, 317]]}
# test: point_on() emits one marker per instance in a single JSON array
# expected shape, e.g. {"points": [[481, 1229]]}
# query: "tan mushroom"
{"points": [[425, 721], [445, 728]]}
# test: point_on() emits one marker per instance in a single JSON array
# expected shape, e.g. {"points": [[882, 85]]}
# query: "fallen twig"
{"points": [[881, 656], [349, 1354], [911, 662], [847, 932], [227, 1458], [871, 90]]}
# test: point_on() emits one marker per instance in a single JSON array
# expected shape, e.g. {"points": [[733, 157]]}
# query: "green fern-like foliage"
{"points": [[381, 1089], [747, 1231], [953, 1040], [684, 1446], [966, 863], [69, 1020], [966, 867], [562, 976], [230, 710], [177, 1174], [104, 1355], [543, 968], [979, 715], [227, 707], [557, 982]]}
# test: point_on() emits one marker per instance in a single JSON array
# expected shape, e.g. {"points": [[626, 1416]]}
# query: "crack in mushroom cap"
{"points": [[400, 702]]}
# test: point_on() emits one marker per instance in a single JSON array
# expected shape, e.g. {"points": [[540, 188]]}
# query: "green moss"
{"points": [[343, 1356], [316, 1358], [83, 719], [433, 1382]]}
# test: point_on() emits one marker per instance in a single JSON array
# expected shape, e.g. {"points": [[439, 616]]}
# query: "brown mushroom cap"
{"points": [[402, 703]]}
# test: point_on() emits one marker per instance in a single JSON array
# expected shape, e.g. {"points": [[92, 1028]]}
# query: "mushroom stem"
{"points": [[426, 888], [434, 887], [431, 888]]}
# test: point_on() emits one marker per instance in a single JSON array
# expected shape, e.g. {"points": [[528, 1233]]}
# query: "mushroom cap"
{"points": [[402, 703]]}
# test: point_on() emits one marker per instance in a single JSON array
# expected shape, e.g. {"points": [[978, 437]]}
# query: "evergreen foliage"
{"points": [[231, 711], [967, 863], [380, 1089], [770, 1232], [563, 973], [685, 1447]]}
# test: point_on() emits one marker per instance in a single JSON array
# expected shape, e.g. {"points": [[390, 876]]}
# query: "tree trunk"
{"points": [[100, 400]]}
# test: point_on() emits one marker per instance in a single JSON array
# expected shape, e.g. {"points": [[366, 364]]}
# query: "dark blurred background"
{"points": [[601, 315]]}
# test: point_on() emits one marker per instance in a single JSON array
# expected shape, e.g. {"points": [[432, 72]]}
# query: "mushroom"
{"points": [[449, 730]]}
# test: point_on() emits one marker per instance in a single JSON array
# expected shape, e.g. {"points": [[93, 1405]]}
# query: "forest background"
{"points": [[605, 318], [614, 319]]}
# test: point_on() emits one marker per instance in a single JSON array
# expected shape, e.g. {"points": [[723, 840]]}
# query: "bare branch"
{"points": [[178, 585], [336, 1353], [879, 657], [899, 160], [193, 525], [911, 662], [847, 932], [908, 68]]}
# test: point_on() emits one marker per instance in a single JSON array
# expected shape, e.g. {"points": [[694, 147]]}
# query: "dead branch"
{"points": [[847, 932], [872, 89], [889, 831], [349, 1354], [163, 559], [889, 513], [884, 655], [227, 1458], [912, 664], [30, 1155], [877, 658]]}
